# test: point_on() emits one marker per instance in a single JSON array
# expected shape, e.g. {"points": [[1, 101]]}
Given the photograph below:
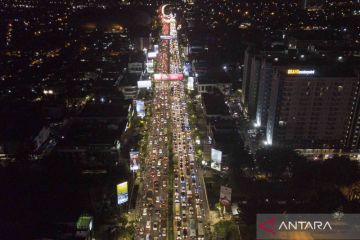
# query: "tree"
{"points": [[241, 157], [275, 161], [339, 171], [226, 230]]}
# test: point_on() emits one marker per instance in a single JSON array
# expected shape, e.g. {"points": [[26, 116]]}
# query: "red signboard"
{"points": [[168, 77]]}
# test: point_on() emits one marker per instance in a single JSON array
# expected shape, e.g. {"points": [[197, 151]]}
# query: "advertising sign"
{"points": [[152, 54], [140, 108], [134, 161], [144, 84], [225, 196], [190, 83], [167, 37], [122, 193], [216, 157], [300, 72], [168, 77]]}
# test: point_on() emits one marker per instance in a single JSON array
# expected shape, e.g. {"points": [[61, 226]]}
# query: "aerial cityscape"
{"points": [[179, 120]]}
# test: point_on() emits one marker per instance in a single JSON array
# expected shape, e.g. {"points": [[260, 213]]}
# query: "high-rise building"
{"points": [[254, 86], [264, 90], [305, 4], [246, 76], [313, 107]]}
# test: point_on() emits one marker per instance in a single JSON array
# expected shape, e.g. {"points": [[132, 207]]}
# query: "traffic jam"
{"points": [[169, 119], [188, 194]]}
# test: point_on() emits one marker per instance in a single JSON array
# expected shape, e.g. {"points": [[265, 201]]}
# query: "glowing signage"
{"points": [[190, 83], [225, 195], [122, 193], [216, 157], [152, 54], [167, 37], [134, 161], [300, 72], [140, 108], [168, 77], [144, 84]]}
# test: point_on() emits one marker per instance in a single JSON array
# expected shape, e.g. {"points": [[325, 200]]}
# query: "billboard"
{"points": [[190, 83], [152, 54], [134, 161], [168, 77], [144, 84], [167, 37], [140, 108], [216, 157], [150, 66], [225, 196], [122, 193]]}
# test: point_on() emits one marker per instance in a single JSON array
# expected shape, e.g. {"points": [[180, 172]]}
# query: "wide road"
{"points": [[169, 122]]}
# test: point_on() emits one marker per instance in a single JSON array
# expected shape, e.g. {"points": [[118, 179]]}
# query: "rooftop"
{"points": [[215, 104]]}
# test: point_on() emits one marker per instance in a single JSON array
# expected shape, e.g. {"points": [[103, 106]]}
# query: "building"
{"points": [[23, 129], [94, 136], [313, 107], [212, 81], [128, 85], [253, 86], [246, 76], [264, 90], [214, 106], [306, 4]]}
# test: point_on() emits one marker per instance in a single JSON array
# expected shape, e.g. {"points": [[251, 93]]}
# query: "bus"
{"points": [[200, 231], [192, 228], [198, 211], [177, 209]]}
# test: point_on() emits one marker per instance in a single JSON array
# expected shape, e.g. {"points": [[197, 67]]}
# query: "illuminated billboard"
{"points": [[216, 157], [168, 77], [140, 108], [300, 72], [144, 84], [190, 83], [225, 196], [134, 161], [152, 54], [122, 193], [167, 37]]}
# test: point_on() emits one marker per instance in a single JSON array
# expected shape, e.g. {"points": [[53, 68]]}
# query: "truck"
{"points": [[192, 228], [200, 231], [177, 209]]}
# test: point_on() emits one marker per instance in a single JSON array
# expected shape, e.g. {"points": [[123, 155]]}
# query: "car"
{"points": [[191, 210], [163, 232], [193, 181], [185, 232], [145, 212], [178, 234], [155, 226], [148, 223]]}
